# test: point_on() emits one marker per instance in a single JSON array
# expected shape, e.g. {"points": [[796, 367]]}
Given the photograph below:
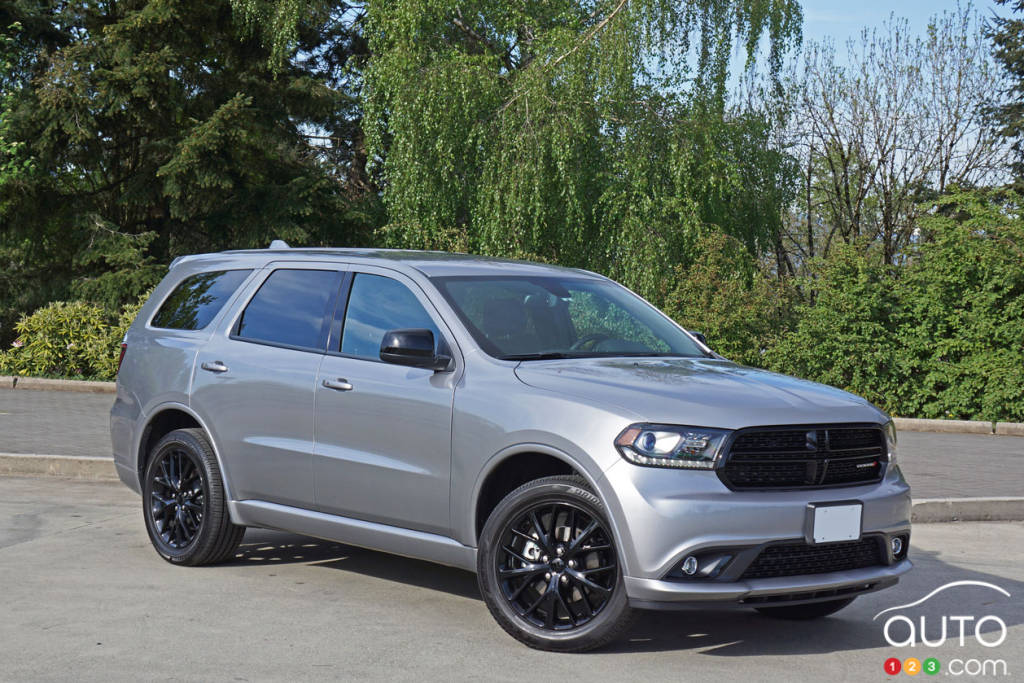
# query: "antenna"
{"points": [[279, 244]]}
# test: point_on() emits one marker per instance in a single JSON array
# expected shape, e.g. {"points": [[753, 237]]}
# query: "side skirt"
{"points": [[390, 539]]}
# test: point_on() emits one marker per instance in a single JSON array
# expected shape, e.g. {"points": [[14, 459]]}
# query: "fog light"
{"points": [[897, 546], [690, 565]]}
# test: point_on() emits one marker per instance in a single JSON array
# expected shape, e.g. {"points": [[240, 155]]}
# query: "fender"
{"points": [[174, 405], [527, 447]]}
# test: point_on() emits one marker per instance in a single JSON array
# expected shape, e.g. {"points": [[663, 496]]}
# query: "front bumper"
{"points": [[662, 516], [655, 594]]}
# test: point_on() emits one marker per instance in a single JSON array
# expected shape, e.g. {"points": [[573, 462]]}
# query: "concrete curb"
{"points": [[929, 510], [40, 384], [81, 467], [911, 424]]}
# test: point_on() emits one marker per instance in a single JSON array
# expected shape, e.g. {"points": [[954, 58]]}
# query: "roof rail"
{"points": [[279, 244]]}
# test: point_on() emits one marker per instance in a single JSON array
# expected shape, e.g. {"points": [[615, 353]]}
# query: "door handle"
{"points": [[338, 384], [215, 366]]}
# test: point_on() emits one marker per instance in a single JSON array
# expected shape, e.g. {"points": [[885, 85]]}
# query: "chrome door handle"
{"points": [[338, 384], [215, 366]]}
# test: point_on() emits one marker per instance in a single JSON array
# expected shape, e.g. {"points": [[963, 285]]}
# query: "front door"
{"points": [[383, 431]]}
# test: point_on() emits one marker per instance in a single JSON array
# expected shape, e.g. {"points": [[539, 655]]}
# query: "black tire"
{"points": [[806, 611], [546, 564], [183, 502]]}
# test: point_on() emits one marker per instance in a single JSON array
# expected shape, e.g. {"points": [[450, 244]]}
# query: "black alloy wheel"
{"points": [[557, 566], [549, 570], [184, 505], [177, 498]]}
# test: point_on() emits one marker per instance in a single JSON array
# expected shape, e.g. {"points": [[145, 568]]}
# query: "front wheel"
{"points": [[548, 568], [184, 503], [810, 610]]}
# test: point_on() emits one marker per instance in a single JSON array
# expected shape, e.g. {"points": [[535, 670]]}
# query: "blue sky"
{"points": [[842, 20]]}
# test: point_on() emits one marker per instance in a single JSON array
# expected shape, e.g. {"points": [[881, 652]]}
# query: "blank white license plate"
{"points": [[833, 523]]}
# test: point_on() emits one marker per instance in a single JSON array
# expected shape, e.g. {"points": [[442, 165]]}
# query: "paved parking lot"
{"points": [[937, 465], [84, 597]]}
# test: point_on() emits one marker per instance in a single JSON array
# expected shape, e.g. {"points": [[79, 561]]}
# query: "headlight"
{"points": [[890, 441], [671, 445]]}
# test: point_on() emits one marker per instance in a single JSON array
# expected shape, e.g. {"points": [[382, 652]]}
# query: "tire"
{"points": [[535, 547], [806, 611], [183, 502]]}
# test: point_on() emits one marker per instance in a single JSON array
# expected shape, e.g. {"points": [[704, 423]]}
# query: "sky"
{"points": [[845, 19]]}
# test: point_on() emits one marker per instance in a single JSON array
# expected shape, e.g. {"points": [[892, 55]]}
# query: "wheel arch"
{"points": [[163, 420], [515, 465]]}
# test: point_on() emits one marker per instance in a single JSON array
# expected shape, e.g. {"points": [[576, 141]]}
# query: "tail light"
{"points": [[124, 347]]}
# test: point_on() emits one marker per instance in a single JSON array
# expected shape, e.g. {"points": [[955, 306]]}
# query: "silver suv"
{"points": [[541, 426]]}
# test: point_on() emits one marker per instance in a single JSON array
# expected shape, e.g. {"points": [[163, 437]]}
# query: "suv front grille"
{"points": [[804, 457], [797, 559]]}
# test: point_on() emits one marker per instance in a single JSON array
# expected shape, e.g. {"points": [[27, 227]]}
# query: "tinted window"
{"points": [[377, 304], [198, 299], [291, 308]]}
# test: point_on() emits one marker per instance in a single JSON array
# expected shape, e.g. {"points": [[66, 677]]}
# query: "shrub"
{"points": [[961, 332], [68, 339], [846, 336], [725, 294]]}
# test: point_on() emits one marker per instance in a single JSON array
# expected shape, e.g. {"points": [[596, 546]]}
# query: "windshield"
{"points": [[536, 318]]}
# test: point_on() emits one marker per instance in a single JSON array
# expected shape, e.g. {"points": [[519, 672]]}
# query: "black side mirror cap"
{"points": [[414, 348], [700, 337]]}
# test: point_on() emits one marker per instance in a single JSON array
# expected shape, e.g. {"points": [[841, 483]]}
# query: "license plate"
{"points": [[831, 523]]}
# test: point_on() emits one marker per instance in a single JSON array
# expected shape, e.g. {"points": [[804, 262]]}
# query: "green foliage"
{"points": [[593, 135], [1007, 34], [846, 336], [156, 128], [941, 336], [727, 295], [961, 326], [68, 339]]}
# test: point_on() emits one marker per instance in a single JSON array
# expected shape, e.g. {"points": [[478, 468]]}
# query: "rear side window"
{"points": [[198, 299], [291, 308]]}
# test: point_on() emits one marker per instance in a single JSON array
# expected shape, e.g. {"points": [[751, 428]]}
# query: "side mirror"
{"points": [[414, 348], [700, 337]]}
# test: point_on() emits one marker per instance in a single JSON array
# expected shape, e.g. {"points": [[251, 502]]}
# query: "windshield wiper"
{"points": [[546, 355]]}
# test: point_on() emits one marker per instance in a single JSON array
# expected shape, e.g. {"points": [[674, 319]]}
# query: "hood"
{"points": [[705, 392]]}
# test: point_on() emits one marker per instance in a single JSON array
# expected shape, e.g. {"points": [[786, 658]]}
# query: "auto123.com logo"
{"points": [[904, 631]]}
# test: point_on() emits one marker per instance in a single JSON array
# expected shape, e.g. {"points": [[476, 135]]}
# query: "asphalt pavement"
{"points": [[85, 597], [936, 465]]}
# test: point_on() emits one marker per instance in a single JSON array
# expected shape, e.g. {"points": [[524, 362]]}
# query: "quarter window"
{"points": [[290, 308], [198, 299], [377, 304]]}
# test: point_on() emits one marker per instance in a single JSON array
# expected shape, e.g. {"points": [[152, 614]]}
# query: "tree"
{"points": [[592, 134], [158, 128], [897, 125], [1007, 35]]}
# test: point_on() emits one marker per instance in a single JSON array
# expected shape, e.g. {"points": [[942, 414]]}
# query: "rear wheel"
{"points": [[549, 570], [811, 610], [184, 503]]}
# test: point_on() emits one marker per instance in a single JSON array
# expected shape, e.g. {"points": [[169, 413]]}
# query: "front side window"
{"points": [[291, 308], [528, 318], [377, 304], [198, 300]]}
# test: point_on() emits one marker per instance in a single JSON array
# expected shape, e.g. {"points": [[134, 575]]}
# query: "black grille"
{"points": [[797, 559], [805, 457]]}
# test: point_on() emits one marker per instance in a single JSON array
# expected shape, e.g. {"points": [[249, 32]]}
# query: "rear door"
{"points": [[254, 382], [383, 431]]}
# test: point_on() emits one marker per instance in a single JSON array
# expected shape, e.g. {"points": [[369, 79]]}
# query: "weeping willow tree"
{"points": [[593, 133]]}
